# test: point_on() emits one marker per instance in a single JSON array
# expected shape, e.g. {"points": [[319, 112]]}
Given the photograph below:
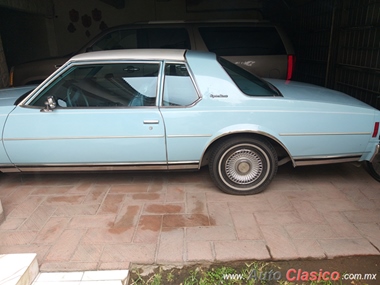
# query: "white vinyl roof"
{"points": [[132, 54]]}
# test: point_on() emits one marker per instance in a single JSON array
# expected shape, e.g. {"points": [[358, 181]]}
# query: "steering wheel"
{"points": [[73, 95]]}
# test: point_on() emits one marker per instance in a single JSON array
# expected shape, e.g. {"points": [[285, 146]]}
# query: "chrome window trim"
{"points": [[192, 78], [160, 84], [40, 88]]}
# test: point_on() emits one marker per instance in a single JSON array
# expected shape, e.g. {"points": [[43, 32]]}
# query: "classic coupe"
{"points": [[180, 109]]}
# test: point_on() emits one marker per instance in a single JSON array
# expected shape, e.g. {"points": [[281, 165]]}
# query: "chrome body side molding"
{"points": [[325, 134], [192, 165], [187, 165], [325, 160], [7, 168]]}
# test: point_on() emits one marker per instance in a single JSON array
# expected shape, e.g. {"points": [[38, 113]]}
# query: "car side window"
{"points": [[104, 85], [179, 89]]}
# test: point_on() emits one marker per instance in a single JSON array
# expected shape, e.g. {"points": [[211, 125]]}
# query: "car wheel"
{"points": [[373, 168], [243, 165]]}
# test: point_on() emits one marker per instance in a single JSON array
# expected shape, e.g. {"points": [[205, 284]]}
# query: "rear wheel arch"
{"points": [[282, 152], [244, 163]]}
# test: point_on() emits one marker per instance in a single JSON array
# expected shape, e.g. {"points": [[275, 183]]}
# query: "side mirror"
{"points": [[50, 104]]}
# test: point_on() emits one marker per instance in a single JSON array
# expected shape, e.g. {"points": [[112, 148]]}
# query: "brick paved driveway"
{"points": [[105, 221]]}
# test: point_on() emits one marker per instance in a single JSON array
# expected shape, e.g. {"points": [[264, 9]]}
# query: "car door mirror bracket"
{"points": [[50, 104]]}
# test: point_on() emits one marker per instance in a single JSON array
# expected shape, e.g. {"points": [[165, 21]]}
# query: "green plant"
{"points": [[170, 276], [255, 273], [217, 275], [156, 279], [192, 279]]}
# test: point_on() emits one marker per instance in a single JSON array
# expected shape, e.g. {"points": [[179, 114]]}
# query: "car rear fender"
{"points": [[251, 130]]}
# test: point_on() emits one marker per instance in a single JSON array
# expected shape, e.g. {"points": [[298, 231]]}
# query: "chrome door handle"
{"points": [[151, 122]]}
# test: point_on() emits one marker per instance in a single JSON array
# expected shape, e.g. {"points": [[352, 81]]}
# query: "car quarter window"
{"points": [[179, 89], [103, 85]]}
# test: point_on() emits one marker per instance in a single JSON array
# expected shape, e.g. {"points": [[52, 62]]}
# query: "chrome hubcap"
{"points": [[243, 166]]}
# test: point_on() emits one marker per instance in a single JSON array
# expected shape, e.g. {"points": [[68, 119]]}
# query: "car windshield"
{"points": [[248, 83]]}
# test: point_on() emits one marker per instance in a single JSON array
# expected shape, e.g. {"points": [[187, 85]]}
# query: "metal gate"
{"points": [[358, 62], [337, 45]]}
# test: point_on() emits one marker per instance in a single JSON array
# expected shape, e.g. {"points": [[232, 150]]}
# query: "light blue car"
{"points": [[179, 109]]}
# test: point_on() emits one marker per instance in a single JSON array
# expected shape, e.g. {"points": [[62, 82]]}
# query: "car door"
{"points": [[187, 133], [105, 115]]}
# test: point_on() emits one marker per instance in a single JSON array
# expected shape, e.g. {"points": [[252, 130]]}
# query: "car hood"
{"points": [[8, 96], [299, 91]]}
